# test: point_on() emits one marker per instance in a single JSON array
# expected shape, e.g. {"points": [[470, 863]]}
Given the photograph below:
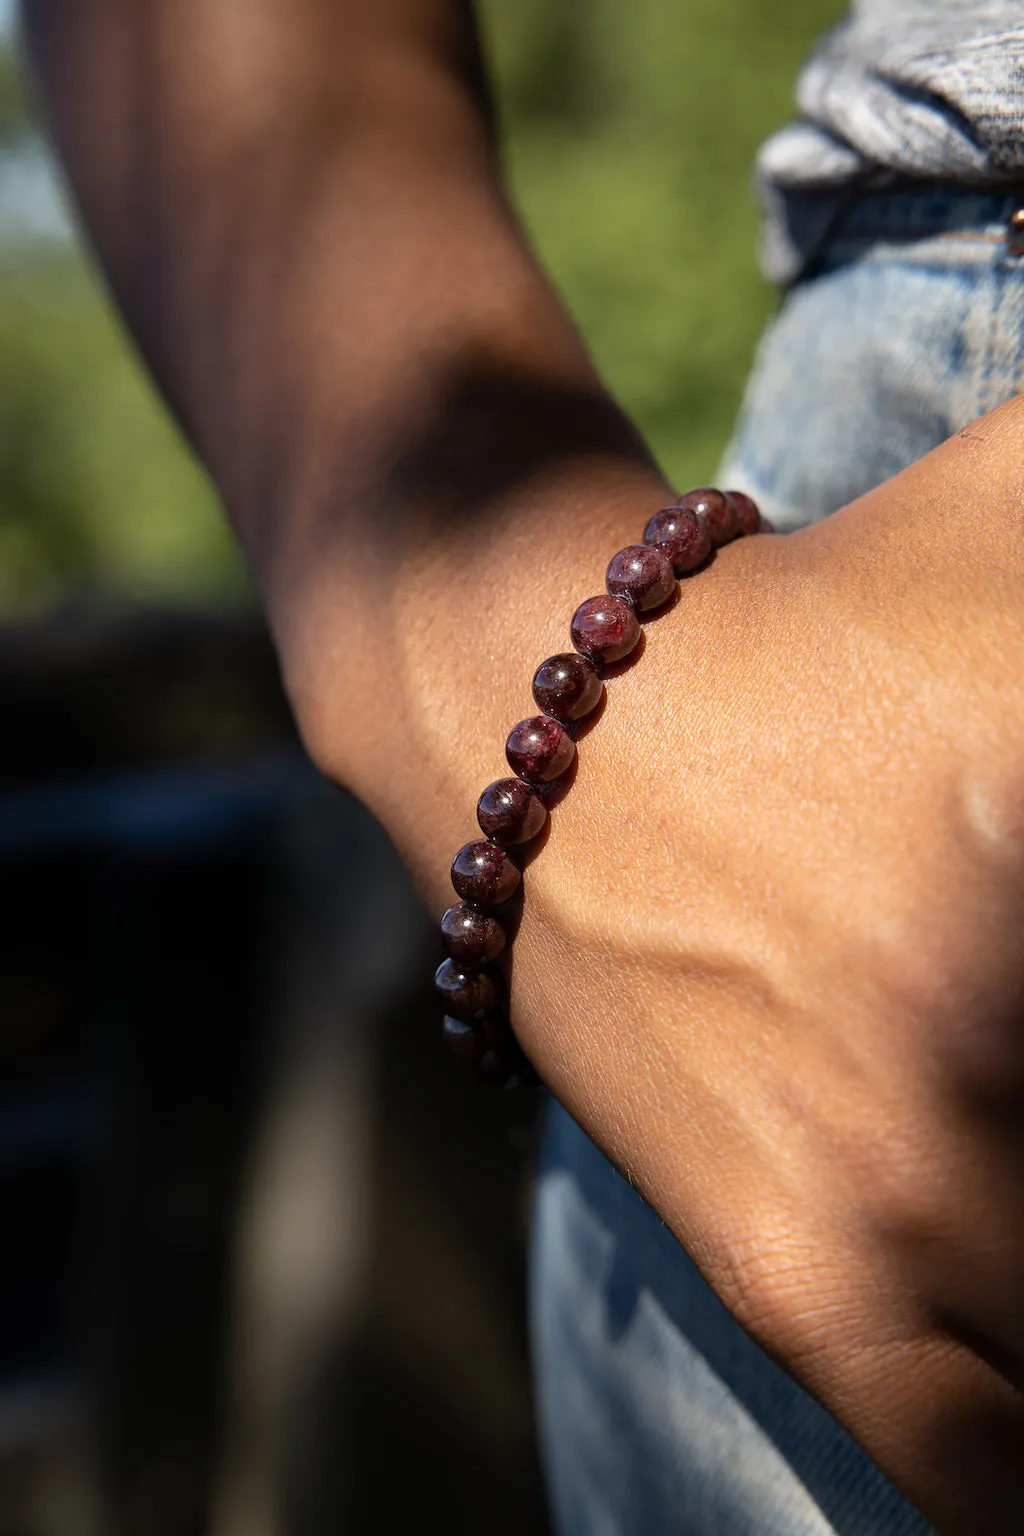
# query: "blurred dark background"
{"points": [[264, 1247]]}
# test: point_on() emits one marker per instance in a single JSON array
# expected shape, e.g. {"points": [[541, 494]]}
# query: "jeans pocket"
{"points": [[870, 364]]}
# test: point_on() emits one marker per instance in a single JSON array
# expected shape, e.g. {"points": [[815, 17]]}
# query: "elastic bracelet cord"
{"points": [[511, 812]]}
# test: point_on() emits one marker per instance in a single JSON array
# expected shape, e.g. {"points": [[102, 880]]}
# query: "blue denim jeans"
{"points": [[657, 1413]]}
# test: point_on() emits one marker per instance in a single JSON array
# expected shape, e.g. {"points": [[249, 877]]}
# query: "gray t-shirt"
{"points": [[902, 88]]}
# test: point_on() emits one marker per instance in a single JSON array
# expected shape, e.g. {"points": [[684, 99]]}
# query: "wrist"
{"points": [[405, 685]]}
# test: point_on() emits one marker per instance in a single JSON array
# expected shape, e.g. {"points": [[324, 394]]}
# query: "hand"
{"points": [[771, 953]]}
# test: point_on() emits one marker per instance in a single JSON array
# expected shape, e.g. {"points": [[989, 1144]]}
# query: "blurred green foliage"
{"points": [[97, 490], [629, 134]]}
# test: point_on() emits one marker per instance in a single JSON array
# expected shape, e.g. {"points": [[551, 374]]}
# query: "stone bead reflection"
{"points": [[717, 511], [465, 1040], [465, 992], [482, 872], [567, 687], [472, 936], [539, 749], [509, 812], [605, 629], [682, 534], [643, 575]]}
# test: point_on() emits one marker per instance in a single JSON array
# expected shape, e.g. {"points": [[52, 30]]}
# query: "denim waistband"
{"points": [[810, 228]]}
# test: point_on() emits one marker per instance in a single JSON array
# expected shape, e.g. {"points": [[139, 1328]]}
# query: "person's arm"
{"points": [[770, 956], [299, 210]]}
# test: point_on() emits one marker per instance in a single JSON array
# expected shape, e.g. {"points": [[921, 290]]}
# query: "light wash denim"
{"points": [[658, 1414], [931, 89]]}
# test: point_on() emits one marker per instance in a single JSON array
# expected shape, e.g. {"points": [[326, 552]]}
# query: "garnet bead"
{"points": [[643, 575], [509, 812], [717, 511], [567, 687], [483, 872], [471, 935], [467, 1041], [465, 992], [605, 628], [539, 749], [748, 516], [472, 1040], [682, 535]]}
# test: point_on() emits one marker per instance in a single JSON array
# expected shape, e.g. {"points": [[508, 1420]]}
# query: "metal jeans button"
{"points": [[1015, 233]]}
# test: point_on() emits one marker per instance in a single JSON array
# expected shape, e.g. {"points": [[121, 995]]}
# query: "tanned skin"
{"points": [[772, 957]]}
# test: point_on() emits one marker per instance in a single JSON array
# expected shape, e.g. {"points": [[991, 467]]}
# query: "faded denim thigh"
{"points": [[657, 1413]]}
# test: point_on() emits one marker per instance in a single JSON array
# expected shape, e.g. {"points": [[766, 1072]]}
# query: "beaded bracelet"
{"points": [[511, 812]]}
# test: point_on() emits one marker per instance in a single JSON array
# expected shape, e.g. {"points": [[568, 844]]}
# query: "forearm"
{"points": [[300, 213], [299, 209], [215, 151]]}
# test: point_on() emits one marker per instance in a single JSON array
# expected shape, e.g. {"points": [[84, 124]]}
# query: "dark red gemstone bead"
{"points": [[766, 526], [509, 812], [471, 1039], [567, 687], [466, 1041], [484, 873], [605, 628], [748, 515], [717, 511], [643, 575], [464, 991], [539, 749], [471, 935], [682, 535]]}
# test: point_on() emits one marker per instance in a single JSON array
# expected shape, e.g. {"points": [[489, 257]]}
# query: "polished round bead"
{"points": [[643, 575], [717, 511], [464, 991], [465, 1040], [605, 628], [484, 873], [509, 812], [567, 687], [539, 749], [470, 935], [766, 526], [682, 535], [471, 1039], [748, 515]]}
